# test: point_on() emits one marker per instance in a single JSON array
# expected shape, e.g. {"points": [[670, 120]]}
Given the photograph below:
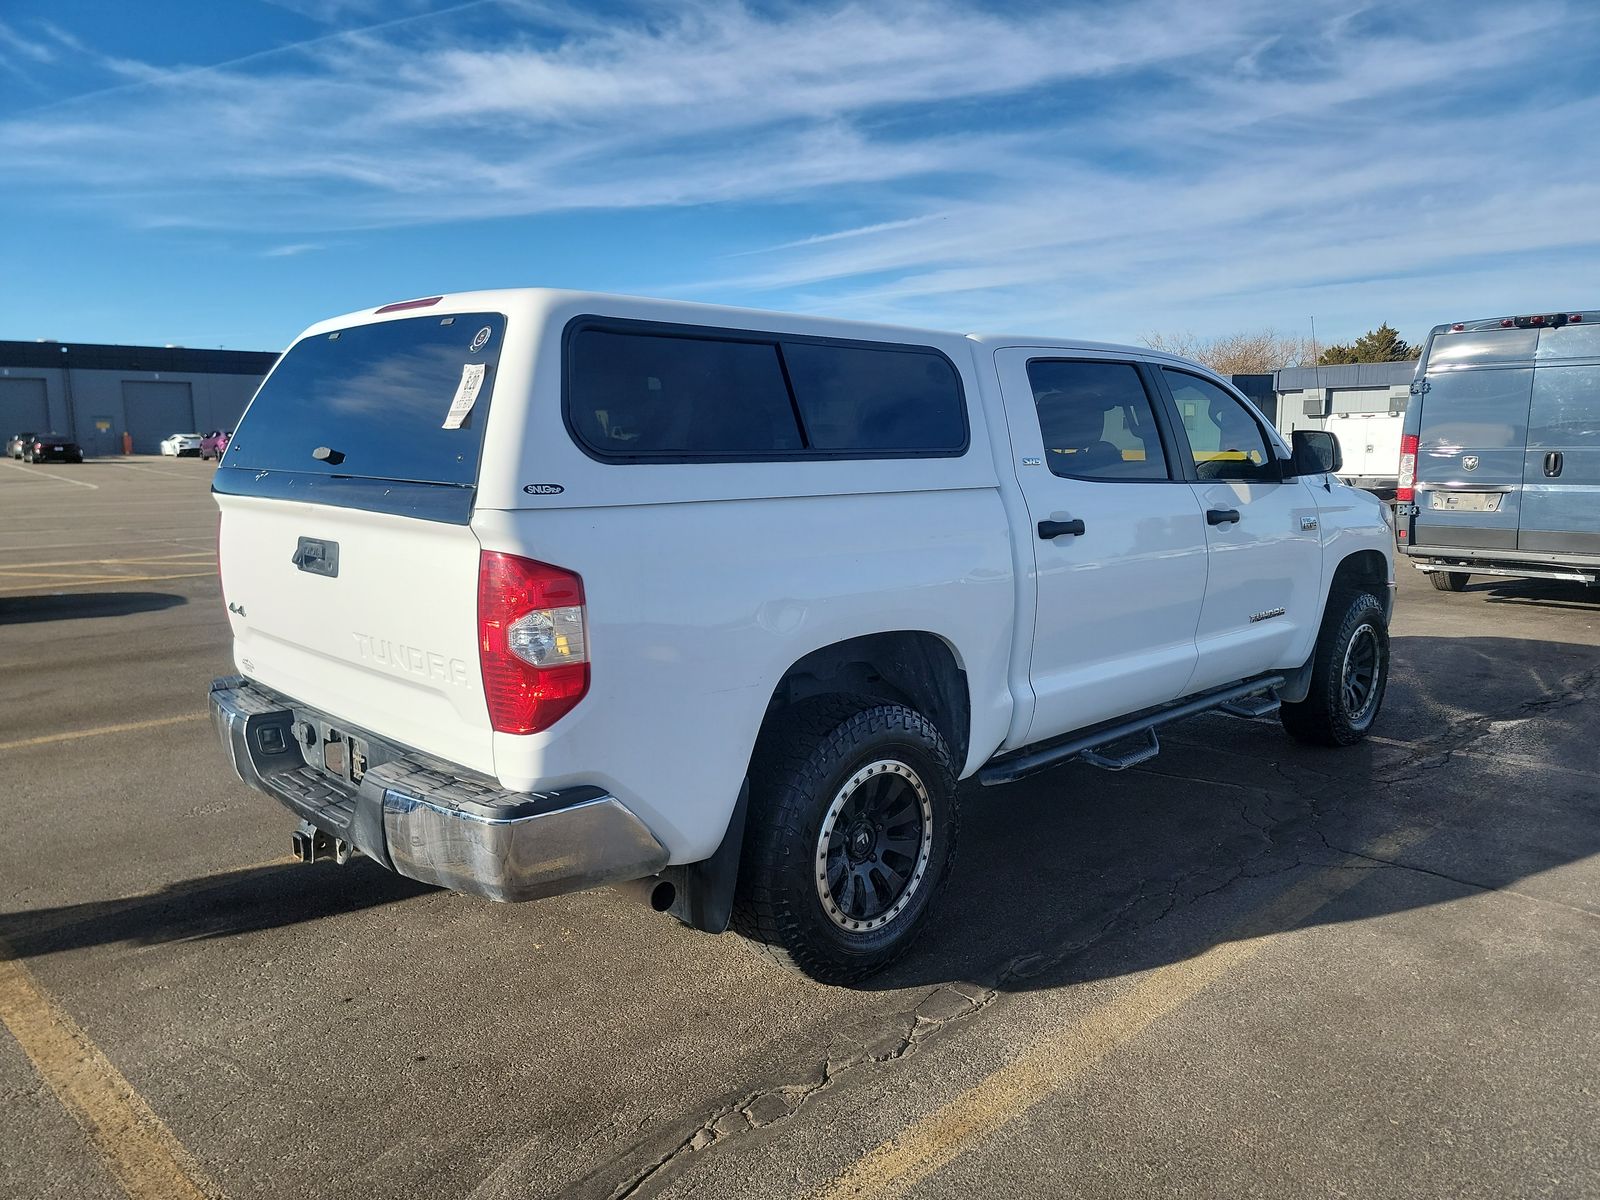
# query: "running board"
{"points": [[1252, 699], [1101, 756], [1252, 708]]}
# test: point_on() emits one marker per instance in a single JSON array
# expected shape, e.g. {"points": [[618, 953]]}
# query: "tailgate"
{"points": [[349, 569], [368, 616]]}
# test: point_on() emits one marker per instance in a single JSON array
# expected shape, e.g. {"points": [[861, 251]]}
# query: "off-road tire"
{"points": [[1325, 717], [805, 760], [1449, 581]]}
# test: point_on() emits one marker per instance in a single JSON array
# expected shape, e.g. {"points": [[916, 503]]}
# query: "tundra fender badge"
{"points": [[1266, 616], [543, 489]]}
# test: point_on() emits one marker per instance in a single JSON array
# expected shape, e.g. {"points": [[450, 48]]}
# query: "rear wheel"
{"points": [[1349, 673], [1449, 581], [851, 834]]}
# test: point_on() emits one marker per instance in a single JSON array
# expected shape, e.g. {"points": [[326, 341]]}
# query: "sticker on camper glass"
{"points": [[466, 395], [480, 339]]}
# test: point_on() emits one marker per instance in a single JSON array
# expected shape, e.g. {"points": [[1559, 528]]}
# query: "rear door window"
{"points": [[1480, 346], [376, 400], [1097, 420]]}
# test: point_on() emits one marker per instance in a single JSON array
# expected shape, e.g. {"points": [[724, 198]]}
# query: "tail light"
{"points": [[533, 642], [1406, 491]]}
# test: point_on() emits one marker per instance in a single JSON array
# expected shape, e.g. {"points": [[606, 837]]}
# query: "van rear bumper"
{"points": [[1521, 564], [426, 819]]}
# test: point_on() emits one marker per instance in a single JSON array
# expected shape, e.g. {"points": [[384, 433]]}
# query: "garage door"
{"points": [[22, 407], [155, 411]]}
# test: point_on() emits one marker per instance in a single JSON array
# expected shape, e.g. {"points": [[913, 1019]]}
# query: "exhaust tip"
{"points": [[662, 895], [658, 893]]}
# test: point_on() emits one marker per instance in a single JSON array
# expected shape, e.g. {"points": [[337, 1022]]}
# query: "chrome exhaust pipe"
{"points": [[653, 890]]}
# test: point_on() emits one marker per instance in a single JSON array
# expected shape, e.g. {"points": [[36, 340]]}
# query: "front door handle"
{"points": [[1055, 529], [1552, 464], [1221, 516]]}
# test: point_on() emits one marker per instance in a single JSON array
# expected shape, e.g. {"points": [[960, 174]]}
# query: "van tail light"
{"points": [[533, 643], [1406, 491]]}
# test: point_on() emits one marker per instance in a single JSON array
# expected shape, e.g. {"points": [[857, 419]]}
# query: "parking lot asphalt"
{"points": [[1247, 968]]}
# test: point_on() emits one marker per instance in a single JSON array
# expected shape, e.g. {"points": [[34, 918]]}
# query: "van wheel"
{"points": [[1349, 673], [851, 834], [1449, 581]]}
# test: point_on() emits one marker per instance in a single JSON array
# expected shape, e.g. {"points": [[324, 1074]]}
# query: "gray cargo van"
{"points": [[1500, 455]]}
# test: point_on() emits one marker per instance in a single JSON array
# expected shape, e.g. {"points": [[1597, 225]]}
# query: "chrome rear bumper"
{"points": [[426, 819]]}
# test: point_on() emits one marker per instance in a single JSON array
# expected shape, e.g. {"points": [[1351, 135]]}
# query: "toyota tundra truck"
{"points": [[533, 591]]}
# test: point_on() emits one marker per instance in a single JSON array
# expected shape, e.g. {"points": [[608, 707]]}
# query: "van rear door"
{"points": [[1561, 474], [1473, 434], [348, 566]]}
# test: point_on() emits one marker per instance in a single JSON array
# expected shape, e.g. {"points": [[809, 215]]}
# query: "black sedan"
{"points": [[17, 442], [52, 447]]}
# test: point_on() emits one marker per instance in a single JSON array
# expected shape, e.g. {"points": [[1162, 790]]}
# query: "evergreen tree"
{"points": [[1383, 344]]}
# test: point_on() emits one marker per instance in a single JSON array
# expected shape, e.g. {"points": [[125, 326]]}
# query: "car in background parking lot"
{"points": [[180, 445], [52, 447], [214, 443], [17, 442]]}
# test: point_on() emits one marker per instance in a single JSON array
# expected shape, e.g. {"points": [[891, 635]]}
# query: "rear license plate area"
{"points": [[1466, 501], [344, 755]]}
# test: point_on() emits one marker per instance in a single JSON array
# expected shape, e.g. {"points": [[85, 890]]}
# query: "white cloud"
{"points": [[1114, 167]]}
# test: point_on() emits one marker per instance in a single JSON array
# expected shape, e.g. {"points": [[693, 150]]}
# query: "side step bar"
{"points": [[1250, 699]]}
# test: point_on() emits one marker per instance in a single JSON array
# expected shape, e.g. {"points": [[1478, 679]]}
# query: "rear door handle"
{"points": [[1055, 529], [1221, 516], [1552, 464]]}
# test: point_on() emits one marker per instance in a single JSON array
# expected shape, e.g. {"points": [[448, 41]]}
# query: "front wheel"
{"points": [[851, 833], [1350, 670], [1449, 581]]}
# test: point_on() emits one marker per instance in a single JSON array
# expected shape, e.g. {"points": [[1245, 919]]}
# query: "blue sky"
{"points": [[225, 173]]}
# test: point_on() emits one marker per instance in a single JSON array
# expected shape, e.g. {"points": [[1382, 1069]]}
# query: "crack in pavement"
{"points": [[1286, 834]]}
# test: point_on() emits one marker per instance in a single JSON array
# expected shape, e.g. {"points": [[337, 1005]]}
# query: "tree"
{"points": [[1382, 344], [1249, 353]]}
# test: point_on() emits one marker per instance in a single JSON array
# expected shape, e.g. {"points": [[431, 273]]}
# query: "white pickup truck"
{"points": [[533, 591]]}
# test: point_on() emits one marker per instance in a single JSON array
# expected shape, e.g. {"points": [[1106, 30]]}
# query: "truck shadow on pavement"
{"points": [[212, 906], [1078, 874], [1484, 771], [72, 606]]}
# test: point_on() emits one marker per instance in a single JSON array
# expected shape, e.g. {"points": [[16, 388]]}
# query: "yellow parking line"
{"points": [[25, 587], [140, 1151], [896, 1166], [127, 727]]}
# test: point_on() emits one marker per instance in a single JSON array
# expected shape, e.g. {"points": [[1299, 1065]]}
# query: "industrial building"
{"points": [[97, 393], [1364, 404]]}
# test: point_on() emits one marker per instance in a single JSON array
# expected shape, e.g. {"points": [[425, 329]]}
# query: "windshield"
{"points": [[397, 400]]}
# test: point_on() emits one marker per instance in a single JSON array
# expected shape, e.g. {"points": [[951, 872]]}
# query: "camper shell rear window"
{"points": [[637, 391], [374, 416]]}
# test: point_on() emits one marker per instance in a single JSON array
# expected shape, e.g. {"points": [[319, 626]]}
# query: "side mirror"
{"points": [[1316, 452]]}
